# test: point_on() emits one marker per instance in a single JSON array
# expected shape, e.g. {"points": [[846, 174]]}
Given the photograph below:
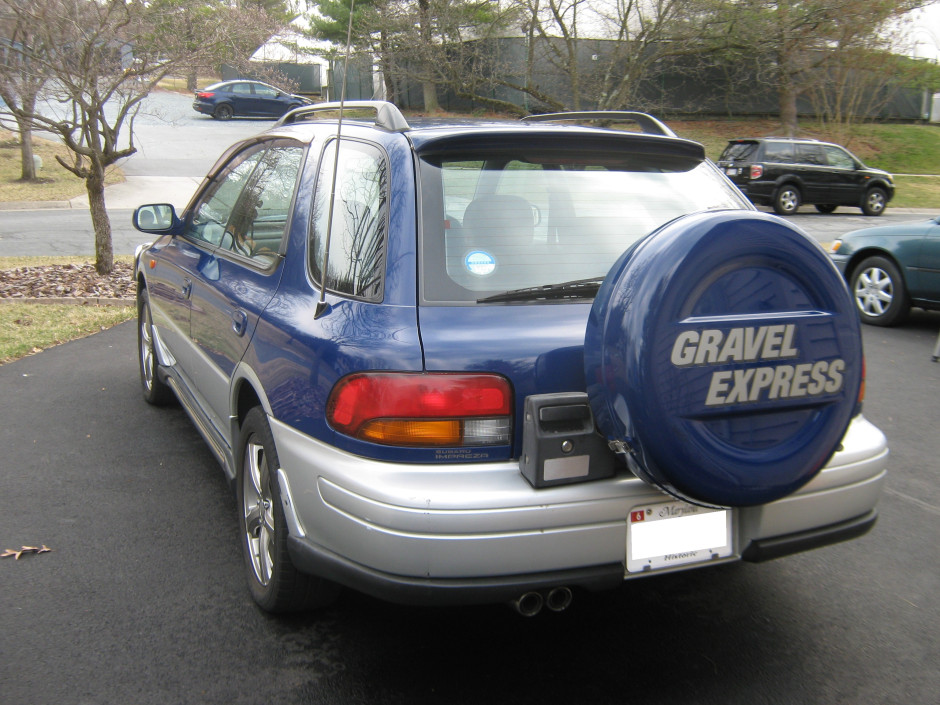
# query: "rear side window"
{"points": [[356, 262], [779, 152], [498, 222], [811, 154]]}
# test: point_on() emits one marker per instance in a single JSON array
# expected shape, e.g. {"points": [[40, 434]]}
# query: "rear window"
{"points": [[500, 222], [735, 151]]}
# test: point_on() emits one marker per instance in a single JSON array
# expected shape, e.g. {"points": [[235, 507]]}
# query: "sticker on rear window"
{"points": [[480, 263]]}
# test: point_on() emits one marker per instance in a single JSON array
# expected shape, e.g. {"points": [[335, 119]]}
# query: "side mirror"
{"points": [[156, 218]]}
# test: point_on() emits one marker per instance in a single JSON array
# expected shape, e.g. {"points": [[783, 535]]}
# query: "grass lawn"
{"points": [[53, 183], [30, 328], [26, 328]]}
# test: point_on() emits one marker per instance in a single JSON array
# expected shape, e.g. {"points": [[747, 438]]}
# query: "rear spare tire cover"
{"points": [[724, 352]]}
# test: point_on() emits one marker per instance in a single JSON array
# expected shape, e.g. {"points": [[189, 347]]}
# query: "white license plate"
{"points": [[731, 172], [675, 533]]}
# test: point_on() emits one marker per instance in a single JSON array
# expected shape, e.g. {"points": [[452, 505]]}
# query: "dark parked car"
{"points": [[229, 99], [785, 173], [891, 268], [504, 361]]}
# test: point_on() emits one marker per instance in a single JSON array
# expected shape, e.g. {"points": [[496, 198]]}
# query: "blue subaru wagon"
{"points": [[469, 362]]}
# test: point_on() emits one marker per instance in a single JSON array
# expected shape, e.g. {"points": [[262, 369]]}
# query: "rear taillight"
{"points": [[205, 94], [757, 171], [422, 410]]}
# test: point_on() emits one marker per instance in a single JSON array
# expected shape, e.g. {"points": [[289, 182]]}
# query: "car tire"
{"points": [[879, 292], [787, 200], [875, 201], [155, 391], [275, 584], [223, 112], [826, 207]]}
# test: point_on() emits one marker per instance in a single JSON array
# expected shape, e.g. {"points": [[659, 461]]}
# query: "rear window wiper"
{"points": [[577, 289]]}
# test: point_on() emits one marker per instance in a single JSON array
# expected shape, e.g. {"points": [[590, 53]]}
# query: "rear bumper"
{"points": [[480, 533], [406, 590]]}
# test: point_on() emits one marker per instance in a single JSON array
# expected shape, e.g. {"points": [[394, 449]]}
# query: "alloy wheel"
{"points": [[874, 291], [258, 510]]}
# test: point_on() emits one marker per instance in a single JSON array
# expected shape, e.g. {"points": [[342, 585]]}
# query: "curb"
{"points": [[72, 300], [36, 205]]}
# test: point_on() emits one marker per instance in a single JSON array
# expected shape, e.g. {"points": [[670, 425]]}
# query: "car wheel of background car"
{"points": [[787, 201], [223, 112], [875, 201], [155, 391], [275, 584], [826, 207], [879, 292], [723, 355]]}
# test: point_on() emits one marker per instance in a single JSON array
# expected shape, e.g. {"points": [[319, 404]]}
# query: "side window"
{"points": [[214, 209], [241, 88], [779, 152], [839, 158], [264, 91], [356, 260], [259, 219], [811, 154]]}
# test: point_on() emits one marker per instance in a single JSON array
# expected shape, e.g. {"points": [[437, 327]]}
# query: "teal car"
{"points": [[891, 268]]}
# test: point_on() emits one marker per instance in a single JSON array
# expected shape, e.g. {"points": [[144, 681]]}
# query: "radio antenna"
{"points": [[322, 306]]}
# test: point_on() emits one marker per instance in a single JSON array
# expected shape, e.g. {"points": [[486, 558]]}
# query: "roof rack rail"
{"points": [[387, 115], [647, 123]]}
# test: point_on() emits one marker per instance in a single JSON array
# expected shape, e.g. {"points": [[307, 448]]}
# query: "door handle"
{"points": [[239, 322], [187, 288]]}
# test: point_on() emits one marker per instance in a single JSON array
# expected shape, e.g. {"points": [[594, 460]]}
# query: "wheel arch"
{"points": [[872, 251], [788, 180], [247, 392], [883, 185]]}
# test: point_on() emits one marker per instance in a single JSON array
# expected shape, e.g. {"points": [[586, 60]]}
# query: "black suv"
{"points": [[785, 173]]}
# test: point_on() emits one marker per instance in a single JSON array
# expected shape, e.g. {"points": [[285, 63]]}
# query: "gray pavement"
{"points": [[142, 599]]}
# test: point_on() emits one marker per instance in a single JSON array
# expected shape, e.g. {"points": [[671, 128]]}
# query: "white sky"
{"points": [[925, 32]]}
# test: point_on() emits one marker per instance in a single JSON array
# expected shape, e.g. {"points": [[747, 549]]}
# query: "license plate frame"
{"points": [[663, 535]]}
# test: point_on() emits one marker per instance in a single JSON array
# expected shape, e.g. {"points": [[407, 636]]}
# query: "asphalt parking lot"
{"points": [[142, 599]]}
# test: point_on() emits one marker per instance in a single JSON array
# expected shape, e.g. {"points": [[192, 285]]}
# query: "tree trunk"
{"points": [[788, 114], [104, 251], [430, 97], [28, 170], [192, 80]]}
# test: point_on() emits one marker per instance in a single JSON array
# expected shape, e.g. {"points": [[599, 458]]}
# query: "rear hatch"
{"points": [[518, 232], [736, 159]]}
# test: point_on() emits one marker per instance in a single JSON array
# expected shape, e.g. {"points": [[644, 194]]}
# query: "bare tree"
{"points": [[99, 60], [790, 42], [20, 81], [606, 49]]}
